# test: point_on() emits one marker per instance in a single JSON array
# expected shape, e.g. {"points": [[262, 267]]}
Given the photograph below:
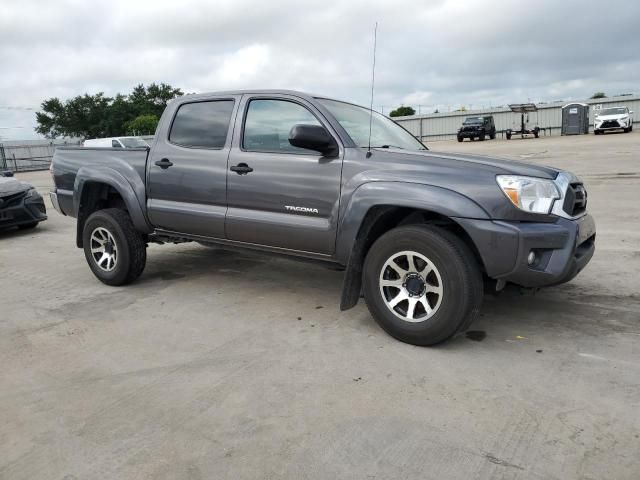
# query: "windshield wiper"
{"points": [[389, 146]]}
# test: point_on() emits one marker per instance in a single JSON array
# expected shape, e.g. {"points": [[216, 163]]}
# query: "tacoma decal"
{"points": [[301, 209]]}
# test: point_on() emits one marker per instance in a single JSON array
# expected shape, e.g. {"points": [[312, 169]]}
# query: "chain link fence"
{"points": [[28, 155]]}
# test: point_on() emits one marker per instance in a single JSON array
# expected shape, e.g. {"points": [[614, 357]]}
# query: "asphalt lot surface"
{"points": [[227, 364]]}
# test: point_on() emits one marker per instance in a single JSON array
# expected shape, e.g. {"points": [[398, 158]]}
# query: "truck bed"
{"points": [[68, 161]]}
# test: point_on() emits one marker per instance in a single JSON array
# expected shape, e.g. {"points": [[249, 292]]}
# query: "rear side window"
{"points": [[268, 123], [115, 144], [202, 124]]}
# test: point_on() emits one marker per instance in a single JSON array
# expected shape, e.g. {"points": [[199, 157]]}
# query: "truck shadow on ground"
{"points": [[566, 309], [15, 232]]}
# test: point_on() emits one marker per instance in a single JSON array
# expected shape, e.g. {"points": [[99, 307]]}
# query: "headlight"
{"points": [[530, 194]]}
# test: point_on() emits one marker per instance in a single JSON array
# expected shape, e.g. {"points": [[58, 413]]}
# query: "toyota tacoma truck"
{"points": [[418, 233]]}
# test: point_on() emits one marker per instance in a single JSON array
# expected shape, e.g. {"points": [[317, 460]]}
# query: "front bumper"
{"points": [[470, 133], [611, 125], [22, 209], [53, 196], [562, 249]]}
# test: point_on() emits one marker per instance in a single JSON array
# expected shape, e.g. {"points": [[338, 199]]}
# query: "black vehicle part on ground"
{"points": [[20, 204]]}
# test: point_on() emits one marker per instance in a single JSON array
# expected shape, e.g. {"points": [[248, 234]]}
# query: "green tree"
{"points": [[92, 116], [598, 95], [51, 119], [402, 111], [142, 125]]}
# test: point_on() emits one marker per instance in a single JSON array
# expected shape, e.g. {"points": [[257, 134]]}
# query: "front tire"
{"points": [[459, 139], [114, 249], [422, 284]]}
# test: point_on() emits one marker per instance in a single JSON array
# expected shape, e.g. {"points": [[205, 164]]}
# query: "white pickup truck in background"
{"points": [[116, 142]]}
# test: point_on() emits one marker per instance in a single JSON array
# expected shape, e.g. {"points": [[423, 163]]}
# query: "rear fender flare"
{"points": [[131, 189]]}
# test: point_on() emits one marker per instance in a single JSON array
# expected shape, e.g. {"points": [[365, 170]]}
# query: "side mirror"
{"points": [[313, 137], [630, 112]]}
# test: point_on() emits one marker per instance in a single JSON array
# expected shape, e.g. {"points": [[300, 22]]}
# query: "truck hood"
{"points": [[11, 186], [465, 162], [472, 176]]}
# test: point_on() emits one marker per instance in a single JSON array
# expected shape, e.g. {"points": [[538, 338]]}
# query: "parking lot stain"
{"points": [[476, 335], [500, 461]]}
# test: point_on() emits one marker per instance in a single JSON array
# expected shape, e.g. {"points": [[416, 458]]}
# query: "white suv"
{"points": [[614, 118]]}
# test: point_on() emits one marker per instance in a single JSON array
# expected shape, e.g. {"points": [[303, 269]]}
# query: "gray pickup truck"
{"points": [[419, 233]]}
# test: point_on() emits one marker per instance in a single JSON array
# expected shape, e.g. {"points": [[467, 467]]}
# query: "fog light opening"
{"points": [[532, 258]]}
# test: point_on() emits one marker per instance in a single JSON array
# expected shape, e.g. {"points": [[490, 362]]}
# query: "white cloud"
{"points": [[436, 53]]}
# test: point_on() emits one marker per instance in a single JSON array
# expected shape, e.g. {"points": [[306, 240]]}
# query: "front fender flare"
{"points": [[399, 194], [350, 250]]}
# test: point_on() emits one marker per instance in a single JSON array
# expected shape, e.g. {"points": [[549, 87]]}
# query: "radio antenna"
{"points": [[373, 79]]}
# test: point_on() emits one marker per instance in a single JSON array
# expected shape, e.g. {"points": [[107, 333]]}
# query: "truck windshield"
{"points": [[385, 133], [613, 111], [473, 120], [133, 142]]}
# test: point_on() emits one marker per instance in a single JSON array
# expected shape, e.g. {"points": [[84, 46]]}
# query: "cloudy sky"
{"points": [[434, 53]]}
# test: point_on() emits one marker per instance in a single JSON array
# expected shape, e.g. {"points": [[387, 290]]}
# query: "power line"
{"points": [[16, 107]]}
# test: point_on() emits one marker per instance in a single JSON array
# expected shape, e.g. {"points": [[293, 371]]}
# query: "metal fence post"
{"points": [[3, 159]]}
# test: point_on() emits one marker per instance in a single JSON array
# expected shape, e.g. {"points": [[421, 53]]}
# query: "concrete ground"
{"points": [[221, 364]]}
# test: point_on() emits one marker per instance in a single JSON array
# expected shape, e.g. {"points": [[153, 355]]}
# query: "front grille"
{"points": [[575, 200], [610, 124], [11, 200]]}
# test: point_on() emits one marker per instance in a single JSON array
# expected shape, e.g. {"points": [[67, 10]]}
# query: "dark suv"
{"points": [[477, 127]]}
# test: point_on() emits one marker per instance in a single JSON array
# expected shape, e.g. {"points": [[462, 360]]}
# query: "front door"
{"points": [[277, 194], [188, 168]]}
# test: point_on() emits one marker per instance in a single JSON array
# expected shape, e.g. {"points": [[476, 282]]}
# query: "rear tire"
{"points": [[115, 251], [443, 273], [493, 136], [482, 137]]}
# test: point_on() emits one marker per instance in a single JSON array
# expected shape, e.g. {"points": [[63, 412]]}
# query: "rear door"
{"points": [[188, 167], [290, 198]]}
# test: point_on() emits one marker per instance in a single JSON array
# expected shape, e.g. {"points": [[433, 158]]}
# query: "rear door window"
{"points": [[202, 124]]}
